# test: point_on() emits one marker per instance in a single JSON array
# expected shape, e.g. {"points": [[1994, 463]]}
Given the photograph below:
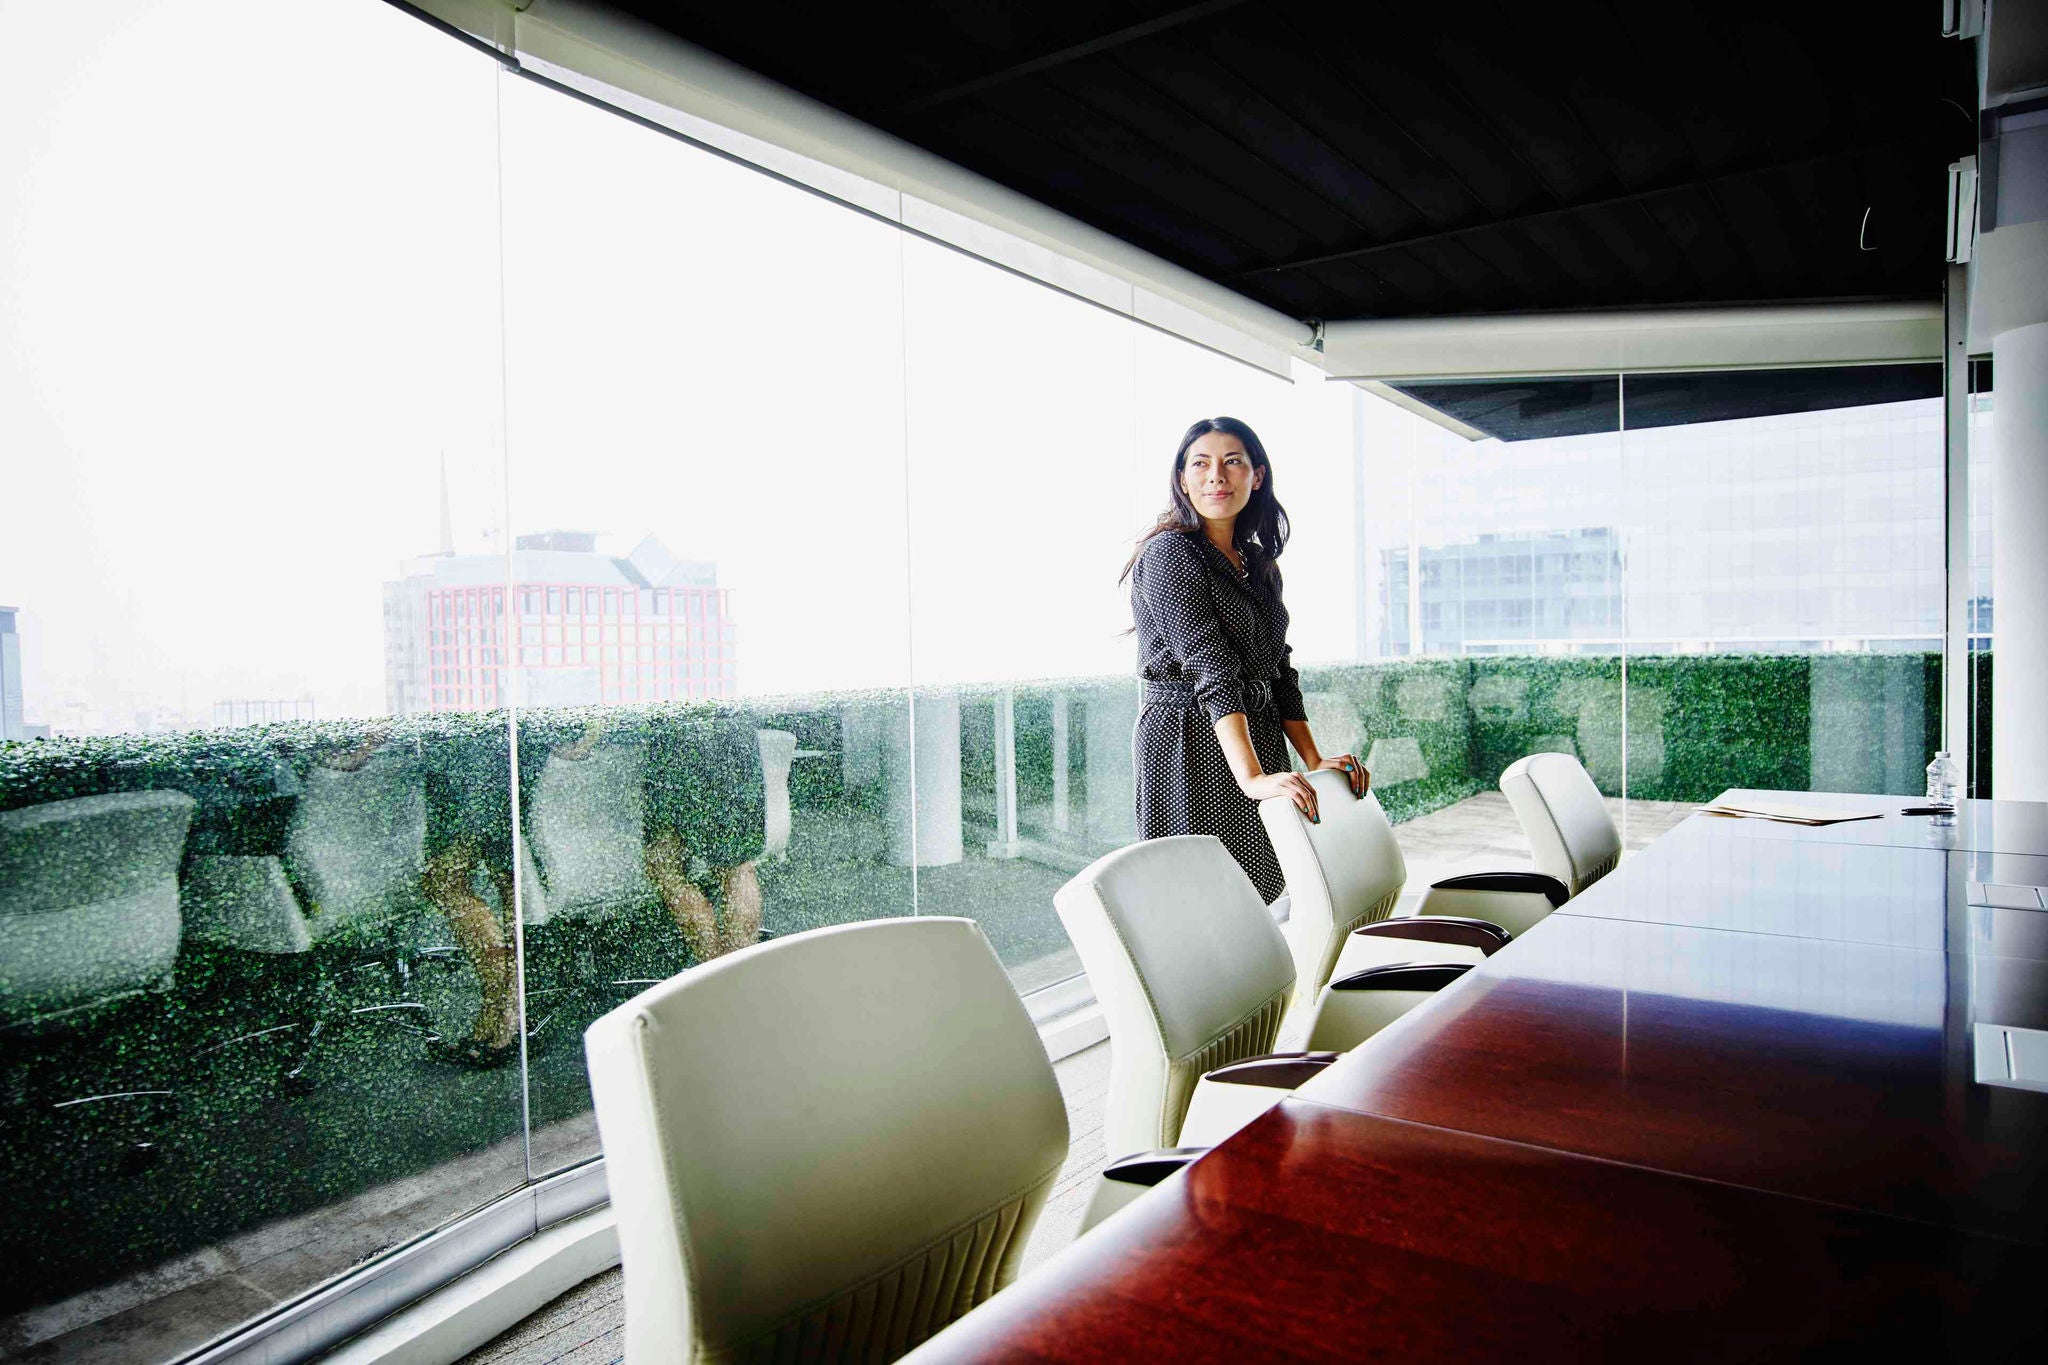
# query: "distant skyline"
{"points": [[237, 354]]}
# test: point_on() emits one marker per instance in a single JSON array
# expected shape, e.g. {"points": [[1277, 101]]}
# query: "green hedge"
{"points": [[1429, 701], [1696, 724]]}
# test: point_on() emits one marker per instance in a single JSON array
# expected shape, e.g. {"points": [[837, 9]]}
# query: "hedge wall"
{"points": [[1696, 724]]}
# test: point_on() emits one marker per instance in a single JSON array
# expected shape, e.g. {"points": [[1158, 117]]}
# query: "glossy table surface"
{"points": [[1712, 873], [1980, 826], [1323, 1234], [1721, 1104], [1813, 1067]]}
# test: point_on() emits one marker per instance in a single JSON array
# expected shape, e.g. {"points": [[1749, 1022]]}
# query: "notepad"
{"points": [[1791, 815]]}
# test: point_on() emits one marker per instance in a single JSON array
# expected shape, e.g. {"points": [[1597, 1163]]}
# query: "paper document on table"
{"points": [[1791, 815]]}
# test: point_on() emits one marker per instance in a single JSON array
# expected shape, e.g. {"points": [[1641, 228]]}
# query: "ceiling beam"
{"points": [[1583, 206], [1071, 53]]}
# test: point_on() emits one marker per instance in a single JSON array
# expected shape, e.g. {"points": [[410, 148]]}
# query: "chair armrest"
{"points": [[1488, 937], [1276, 1070], [1149, 1168], [1126, 1180], [1405, 976], [1550, 888], [1230, 1097], [1516, 901]]}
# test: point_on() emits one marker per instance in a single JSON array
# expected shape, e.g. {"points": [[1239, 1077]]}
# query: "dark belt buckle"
{"points": [[1258, 694]]}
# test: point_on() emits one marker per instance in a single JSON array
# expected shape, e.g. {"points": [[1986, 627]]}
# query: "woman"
{"points": [[1222, 699]]}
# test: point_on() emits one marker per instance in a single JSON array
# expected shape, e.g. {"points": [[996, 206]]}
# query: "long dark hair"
{"points": [[1261, 531]]}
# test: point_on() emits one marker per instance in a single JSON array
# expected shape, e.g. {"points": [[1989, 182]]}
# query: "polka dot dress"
{"points": [[1211, 640]]}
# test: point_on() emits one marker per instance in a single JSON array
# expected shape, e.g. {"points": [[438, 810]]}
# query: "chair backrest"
{"points": [[356, 844], [588, 829], [1342, 871], [778, 751], [88, 902], [826, 1146], [1561, 811], [1191, 971]]}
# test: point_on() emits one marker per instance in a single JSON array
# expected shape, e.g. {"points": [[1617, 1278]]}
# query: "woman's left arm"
{"points": [[1287, 700], [1303, 742], [1311, 758]]}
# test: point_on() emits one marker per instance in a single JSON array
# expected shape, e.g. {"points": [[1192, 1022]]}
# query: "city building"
{"points": [[593, 628], [252, 711], [1559, 592], [12, 726], [1800, 532]]}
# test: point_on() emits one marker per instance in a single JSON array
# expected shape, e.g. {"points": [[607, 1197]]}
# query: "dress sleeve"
{"points": [[1174, 583], [1287, 702]]}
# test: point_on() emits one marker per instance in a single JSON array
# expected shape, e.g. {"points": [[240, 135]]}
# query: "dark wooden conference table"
{"points": [[1721, 1106]]}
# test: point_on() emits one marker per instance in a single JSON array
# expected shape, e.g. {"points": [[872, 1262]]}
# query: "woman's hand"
{"points": [[1293, 786], [1351, 768]]}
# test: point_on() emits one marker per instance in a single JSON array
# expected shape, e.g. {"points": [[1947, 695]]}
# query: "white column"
{"points": [[1112, 788], [863, 730], [2019, 563], [922, 778], [1062, 787], [1005, 844]]}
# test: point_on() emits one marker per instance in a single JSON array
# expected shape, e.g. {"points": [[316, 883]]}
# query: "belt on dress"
{"points": [[1258, 693]]}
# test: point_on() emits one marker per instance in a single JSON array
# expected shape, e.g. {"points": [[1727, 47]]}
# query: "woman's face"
{"points": [[1218, 476]]}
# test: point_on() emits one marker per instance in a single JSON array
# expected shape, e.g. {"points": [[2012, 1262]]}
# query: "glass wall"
{"points": [[500, 556], [248, 368], [1690, 582], [1490, 568], [1785, 594], [706, 458]]}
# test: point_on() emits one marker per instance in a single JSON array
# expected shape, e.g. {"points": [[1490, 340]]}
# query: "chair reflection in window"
{"points": [[343, 893], [88, 925], [668, 813]]}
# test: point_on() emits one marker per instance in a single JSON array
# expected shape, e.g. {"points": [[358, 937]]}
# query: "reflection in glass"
{"points": [[1785, 579], [709, 729], [1491, 587], [237, 877]]}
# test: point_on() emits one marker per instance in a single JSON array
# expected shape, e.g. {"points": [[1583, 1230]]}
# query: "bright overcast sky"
{"points": [[250, 297]]}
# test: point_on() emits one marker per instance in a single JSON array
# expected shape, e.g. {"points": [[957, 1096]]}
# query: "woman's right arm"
{"points": [[1234, 734], [1174, 583]]}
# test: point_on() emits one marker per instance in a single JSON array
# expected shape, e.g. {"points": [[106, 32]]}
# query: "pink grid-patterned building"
{"points": [[583, 628]]}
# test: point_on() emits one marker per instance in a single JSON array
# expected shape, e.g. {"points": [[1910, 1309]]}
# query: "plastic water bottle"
{"points": [[1943, 785]]}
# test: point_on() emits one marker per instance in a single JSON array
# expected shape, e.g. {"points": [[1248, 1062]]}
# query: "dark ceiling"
{"points": [[1533, 409], [1460, 156]]}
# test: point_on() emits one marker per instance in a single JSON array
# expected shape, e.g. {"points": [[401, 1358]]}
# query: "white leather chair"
{"points": [[1358, 966], [1193, 976], [356, 846], [1564, 817], [1342, 873], [827, 1146]]}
